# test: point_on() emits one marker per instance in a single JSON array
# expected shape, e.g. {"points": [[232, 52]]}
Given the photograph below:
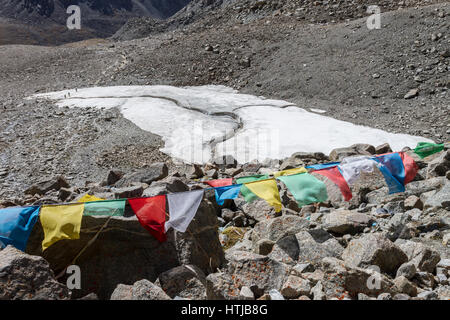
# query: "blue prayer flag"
{"points": [[393, 170], [16, 225], [228, 192]]}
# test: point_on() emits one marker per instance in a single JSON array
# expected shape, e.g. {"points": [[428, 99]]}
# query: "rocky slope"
{"points": [[377, 246], [43, 22]]}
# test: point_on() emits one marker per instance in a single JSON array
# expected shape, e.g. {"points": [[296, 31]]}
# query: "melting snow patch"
{"points": [[198, 123]]}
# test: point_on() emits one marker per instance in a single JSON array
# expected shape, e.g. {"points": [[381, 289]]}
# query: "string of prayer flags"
{"points": [[105, 208], [227, 192], [220, 182], [425, 149], [16, 225], [267, 190], [182, 209], [289, 172], [305, 188], [246, 193], [151, 213], [60, 222], [335, 175]]}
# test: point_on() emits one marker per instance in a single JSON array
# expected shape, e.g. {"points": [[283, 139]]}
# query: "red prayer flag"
{"points": [[220, 182], [151, 213], [335, 175], [411, 167]]}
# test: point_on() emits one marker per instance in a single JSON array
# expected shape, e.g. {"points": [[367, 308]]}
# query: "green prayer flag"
{"points": [[305, 188], [424, 149], [105, 208], [248, 195]]}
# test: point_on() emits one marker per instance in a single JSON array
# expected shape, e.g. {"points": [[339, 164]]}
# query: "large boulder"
{"points": [[440, 199], [439, 166], [374, 249], [346, 222], [43, 187], [304, 247], [26, 277], [140, 290], [124, 252], [343, 279], [422, 256], [278, 228], [186, 281], [259, 273], [153, 172]]}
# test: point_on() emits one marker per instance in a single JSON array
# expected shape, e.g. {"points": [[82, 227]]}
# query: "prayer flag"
{"points": [[411, 167], [16, 225], [425, 149], [228, 192], [220, 182], [182, 209], [60, 222], [105, 208], [248, 195], [151, 213], [267, 190], [335, 175], [305, 188]]}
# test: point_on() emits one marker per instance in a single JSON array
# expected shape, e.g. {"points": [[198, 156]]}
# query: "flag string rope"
{"points": [[205, 189]]}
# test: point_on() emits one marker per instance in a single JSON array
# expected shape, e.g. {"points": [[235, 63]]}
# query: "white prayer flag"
{"points": [[351, 168], [182, 209]]}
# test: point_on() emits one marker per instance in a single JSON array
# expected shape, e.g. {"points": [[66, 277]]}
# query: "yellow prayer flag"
{"points": [[289, 172], [60, 222], [89, 198], [267, 190]]}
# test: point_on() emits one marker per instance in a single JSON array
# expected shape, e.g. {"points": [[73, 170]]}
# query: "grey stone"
{"points": [[303, 267], [340, 153], [149, 174], [128, 192], [346, 222], [403, 285], [384, 148], [279, 227], [428, 295], [186, 281], [113, 177], [423, 257], [246, 294], [440, 199], [401, 296], [168, 185], [317, 292], [140, 290], [220, 286], [413, 202], [27, 277], [408, 270], [374, 249], [384, 296], [439, 166], [250, 269], [264, 246], [42, 188], [295, 287]]}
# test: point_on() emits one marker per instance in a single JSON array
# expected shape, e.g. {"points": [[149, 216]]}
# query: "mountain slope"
{"points": [[43, 21]]}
